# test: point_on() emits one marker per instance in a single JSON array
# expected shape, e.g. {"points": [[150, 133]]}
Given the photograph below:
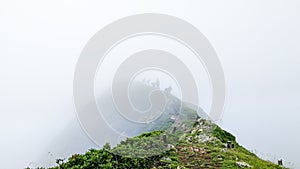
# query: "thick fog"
{"points": [[40, 41]]}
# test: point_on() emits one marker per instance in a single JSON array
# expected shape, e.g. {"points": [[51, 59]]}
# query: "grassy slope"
{"points": [[201, 145]]}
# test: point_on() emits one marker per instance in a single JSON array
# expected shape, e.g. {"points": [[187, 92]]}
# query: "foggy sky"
{"points": [[40, 42]]}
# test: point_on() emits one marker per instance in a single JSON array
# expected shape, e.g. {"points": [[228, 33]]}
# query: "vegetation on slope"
{"points": [[196, 143]]}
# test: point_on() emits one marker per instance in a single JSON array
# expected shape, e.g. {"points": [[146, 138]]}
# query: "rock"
{"points": [[171, 147], [166, 159], [243, 164], [173, 130], [165, 138]]}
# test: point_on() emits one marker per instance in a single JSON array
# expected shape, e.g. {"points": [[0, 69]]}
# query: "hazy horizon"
{"points": [[256, 42]]}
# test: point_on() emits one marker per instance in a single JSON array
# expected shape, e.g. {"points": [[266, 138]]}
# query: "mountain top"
{"points": [[183, 141]]}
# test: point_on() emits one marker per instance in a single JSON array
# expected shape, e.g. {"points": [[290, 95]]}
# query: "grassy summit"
{"points": [[182, 141]]}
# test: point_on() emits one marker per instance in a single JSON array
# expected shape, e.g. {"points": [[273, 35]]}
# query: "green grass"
{"points": [[149, 150]]}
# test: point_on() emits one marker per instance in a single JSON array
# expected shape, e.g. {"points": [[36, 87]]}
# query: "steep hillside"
{"points": [[184, 141]]}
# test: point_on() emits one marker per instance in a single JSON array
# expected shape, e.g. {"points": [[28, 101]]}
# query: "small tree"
{"points": [[59, 162], [106, 146]]}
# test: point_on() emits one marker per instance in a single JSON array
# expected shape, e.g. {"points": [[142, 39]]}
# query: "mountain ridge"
{"points": [[189, 141]]}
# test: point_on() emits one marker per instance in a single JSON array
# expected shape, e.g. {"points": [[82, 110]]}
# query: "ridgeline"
{"points": [[178, 142]]}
